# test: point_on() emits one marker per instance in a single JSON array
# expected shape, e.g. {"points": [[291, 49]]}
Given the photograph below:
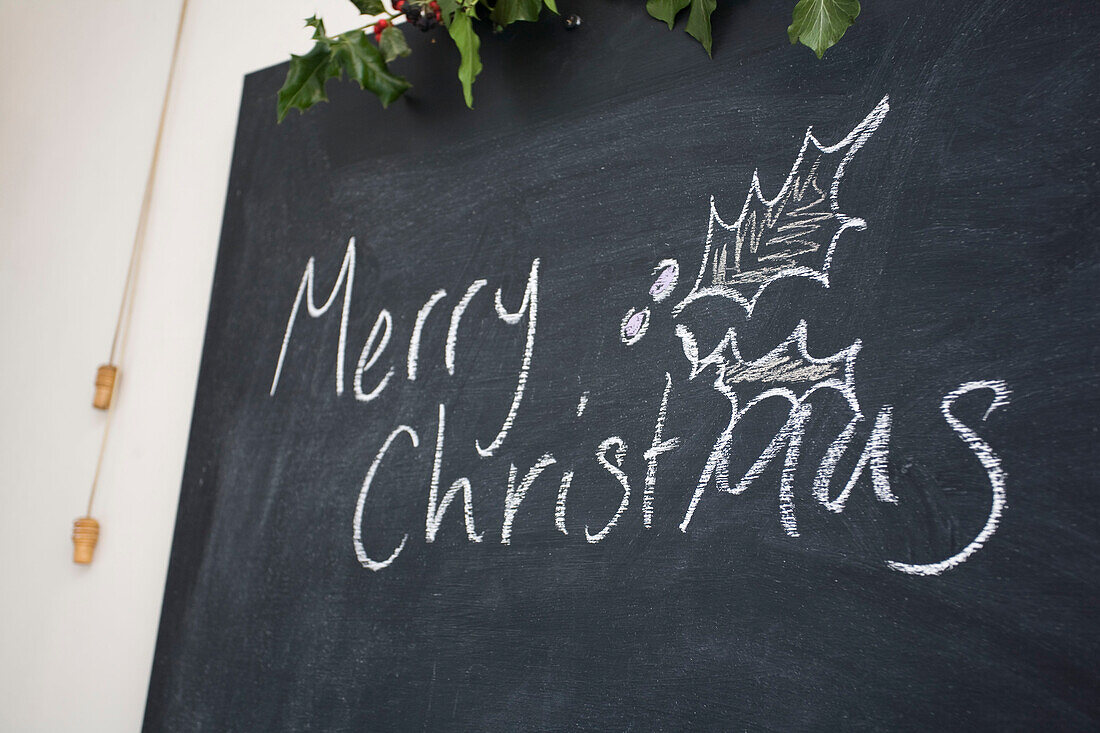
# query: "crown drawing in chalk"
{"points": [[791, 235]]}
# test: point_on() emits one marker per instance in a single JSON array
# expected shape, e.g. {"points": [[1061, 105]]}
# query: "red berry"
{"points": [[434, 6], [398, 4], [439, 16]]}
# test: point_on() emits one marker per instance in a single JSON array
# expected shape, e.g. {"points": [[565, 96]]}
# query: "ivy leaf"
{"points": [[318, 27], [392, 44], [369, 7], [363, 61], [819, 24], [698, 26], [462, 32], [448, 8], [553, 6], [305, 81], [666, 10], [506, 12]]}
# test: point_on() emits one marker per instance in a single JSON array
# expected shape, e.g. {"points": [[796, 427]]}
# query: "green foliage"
{"points": [[449, 8], [666, 10], [369, 7], [506, 12], [459, 17], [318, 27], [819, 24], [363, 62], [331, 57], [305, 81], [461, 30], [698, 25], [393, 44]]}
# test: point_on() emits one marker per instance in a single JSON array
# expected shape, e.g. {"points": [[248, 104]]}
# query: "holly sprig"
{"points": [[350, 52], [818, 24]]}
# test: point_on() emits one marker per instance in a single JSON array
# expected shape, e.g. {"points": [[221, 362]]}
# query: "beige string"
{"points": [[126, 306]]}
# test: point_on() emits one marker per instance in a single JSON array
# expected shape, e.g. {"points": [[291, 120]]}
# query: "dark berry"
{"points": [[573, 21]]}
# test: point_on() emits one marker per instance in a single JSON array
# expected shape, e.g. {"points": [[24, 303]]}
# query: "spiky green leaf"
{"points": [[318, 27], [363, 62], [819, 24], [461, 30], [305, 80], [392, 43]]}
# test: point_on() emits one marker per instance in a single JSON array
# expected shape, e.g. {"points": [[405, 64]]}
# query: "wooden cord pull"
{"points": [[85, 537], [105, 378], [86, 529]]}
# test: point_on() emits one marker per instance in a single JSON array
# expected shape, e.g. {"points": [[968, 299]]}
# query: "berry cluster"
{"points": [[380, 26], [424, 16]]}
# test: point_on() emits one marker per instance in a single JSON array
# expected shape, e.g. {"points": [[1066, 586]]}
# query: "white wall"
{"points": [[81, 85]]}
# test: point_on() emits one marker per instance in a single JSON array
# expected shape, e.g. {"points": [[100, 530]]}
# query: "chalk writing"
{"points": [[792, 235]]}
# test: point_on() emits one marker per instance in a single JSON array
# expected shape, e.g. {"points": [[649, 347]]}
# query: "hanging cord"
{"points": [[126, 306]]}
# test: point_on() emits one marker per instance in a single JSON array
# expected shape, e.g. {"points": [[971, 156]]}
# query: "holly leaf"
{"points": [[461, 29], [369, 7], [698, 26], [506, 12], [363, 62], [318, 27], [305, 80], [819, 24], [666, 10], [392, 44]]}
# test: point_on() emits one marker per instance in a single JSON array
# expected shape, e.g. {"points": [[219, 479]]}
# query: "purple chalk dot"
{"points": [[665, 281], [634, 324]]}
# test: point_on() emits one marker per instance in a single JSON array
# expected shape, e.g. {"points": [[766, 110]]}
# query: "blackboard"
{"points": [[749, 393]]}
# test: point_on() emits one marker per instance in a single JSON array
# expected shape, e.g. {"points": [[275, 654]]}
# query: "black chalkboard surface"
{"points": [[657, 392]]}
